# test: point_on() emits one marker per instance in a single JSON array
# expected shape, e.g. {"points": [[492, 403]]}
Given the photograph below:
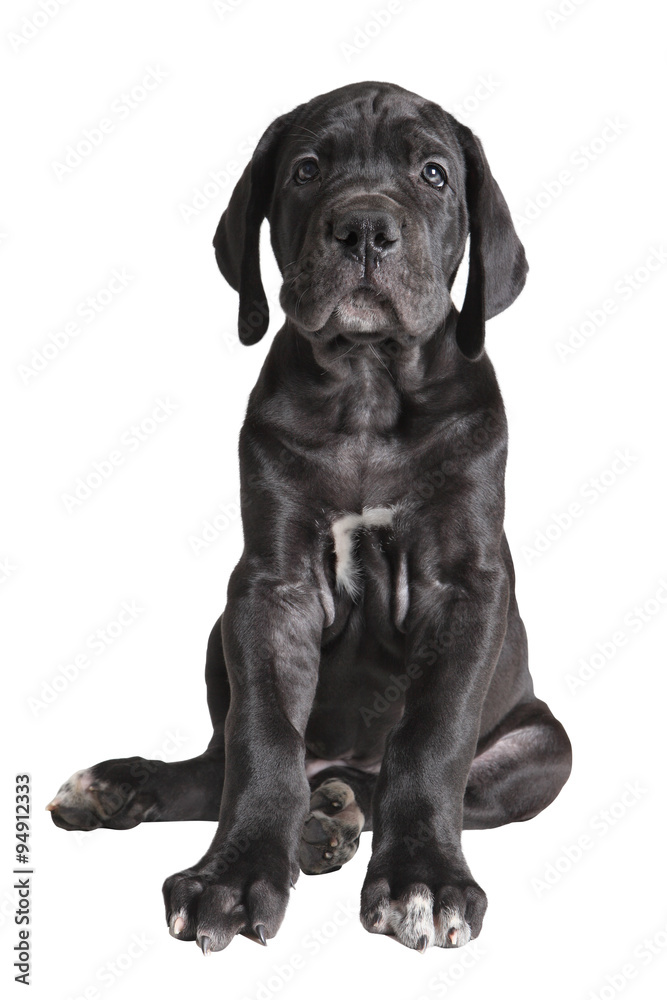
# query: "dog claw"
{"points": [[292, 883], [179, 924], [422, 944], [453, 935], [260, 931], [205, 944]]}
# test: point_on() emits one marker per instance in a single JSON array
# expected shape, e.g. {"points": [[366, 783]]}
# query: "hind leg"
{"points": [[519, 768], [119, 794]]}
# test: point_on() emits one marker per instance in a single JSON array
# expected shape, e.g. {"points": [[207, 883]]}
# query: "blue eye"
{"points": [[306, 171], [434, 175]]}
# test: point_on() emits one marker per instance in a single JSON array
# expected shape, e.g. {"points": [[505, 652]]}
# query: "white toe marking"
{"points": [[75, 787], [344, 531], [412, 919], [74, 792], [451, 930], [412, 922]]}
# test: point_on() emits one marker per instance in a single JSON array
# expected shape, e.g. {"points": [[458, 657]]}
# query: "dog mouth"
{"points": [[364, 310]]}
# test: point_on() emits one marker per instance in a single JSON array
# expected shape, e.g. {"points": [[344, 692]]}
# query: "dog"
{"points": [[370, 669]]}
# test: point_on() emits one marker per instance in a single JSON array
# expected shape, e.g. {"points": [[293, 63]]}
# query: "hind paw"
{"points": [[331, 832], [112, 794]]}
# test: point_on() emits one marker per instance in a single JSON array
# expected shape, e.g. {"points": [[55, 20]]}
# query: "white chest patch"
{"points": [[344, 531]]}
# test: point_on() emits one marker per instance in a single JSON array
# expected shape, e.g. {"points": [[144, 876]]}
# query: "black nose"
{"points": [[366, 236]]}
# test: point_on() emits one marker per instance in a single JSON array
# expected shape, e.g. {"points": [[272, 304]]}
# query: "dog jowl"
{"points": [[370, 669]]}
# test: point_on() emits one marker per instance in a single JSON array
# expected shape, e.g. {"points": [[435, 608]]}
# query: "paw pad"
{"points": [[331, 832]]}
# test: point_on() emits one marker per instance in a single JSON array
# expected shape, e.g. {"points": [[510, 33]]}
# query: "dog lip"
{"points": [[362, 313], [363, 303], [367, 295]]}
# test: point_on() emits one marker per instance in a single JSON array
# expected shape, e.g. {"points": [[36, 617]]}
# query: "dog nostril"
{"points": [[350, 240], [382, 241]]}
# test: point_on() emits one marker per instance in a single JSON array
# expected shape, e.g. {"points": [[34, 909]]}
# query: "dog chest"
{"points": [[345, 531], [367, 560]]}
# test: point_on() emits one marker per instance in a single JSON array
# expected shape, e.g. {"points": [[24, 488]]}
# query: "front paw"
{"points": [[422, 908], [229, 893]]}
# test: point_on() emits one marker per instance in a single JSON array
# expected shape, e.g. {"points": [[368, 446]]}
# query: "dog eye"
{"points": [[435, 175], [306, 171]]}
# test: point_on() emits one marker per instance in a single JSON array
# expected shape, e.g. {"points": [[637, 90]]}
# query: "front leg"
{"points": [[418, 886], [272, 630]]}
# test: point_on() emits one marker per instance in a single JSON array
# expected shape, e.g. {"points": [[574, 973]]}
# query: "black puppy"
{"points": [[370, 669]]}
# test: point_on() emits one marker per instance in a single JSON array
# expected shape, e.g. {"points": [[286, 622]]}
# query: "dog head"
{"points": [[371, 192]]}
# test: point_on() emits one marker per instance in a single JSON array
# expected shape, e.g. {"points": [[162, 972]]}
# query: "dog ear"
{"points": [[497, 268], [236, 239]]}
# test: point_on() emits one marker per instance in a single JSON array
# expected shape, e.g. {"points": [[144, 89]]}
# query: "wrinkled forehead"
{"points": [[373, 127]]}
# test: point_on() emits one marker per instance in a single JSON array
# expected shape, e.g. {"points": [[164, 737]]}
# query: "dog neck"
{"points": [[362, 387]]}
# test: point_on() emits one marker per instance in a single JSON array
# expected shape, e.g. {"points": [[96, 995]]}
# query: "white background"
{"points": [[539, 91]]}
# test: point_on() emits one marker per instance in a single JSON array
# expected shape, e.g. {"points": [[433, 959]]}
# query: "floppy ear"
{"points": [[236, 239], [497, 268]]}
